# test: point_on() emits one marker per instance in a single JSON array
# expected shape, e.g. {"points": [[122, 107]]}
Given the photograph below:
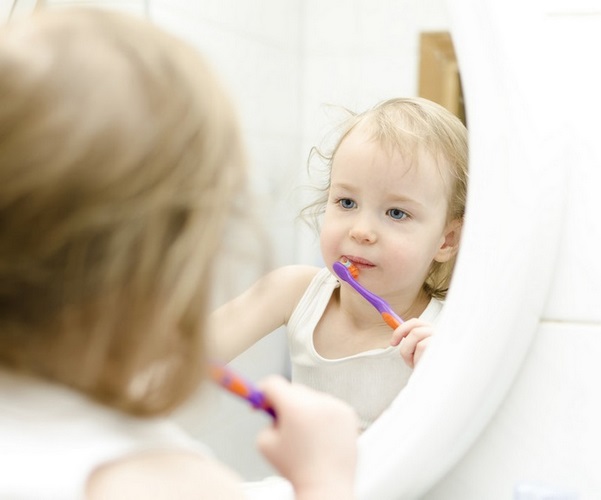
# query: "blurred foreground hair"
{"points": [[119, 158]]}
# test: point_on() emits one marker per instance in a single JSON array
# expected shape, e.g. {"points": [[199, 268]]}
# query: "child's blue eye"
{"points": [[396, 213], [347, 203]]}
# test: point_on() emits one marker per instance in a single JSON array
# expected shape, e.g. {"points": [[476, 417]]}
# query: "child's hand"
{"points": [[313, 441], [414, 336]]}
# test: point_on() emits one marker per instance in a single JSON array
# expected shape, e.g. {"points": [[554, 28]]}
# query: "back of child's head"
{"points": [[413, 126], [119, 157]]}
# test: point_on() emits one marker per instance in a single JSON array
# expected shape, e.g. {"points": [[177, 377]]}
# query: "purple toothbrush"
{"points": [[347, 271]]}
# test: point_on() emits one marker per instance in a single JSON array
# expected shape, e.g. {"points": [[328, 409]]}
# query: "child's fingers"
{"points": [[313, 431], [413, 344], [402, 331], [294, 399], [274, 387], [420, 348], [412, 351], [405, 329], [277, 390]]}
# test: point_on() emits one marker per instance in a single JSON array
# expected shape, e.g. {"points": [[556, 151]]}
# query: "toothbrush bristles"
{"points": [[350, 266]]}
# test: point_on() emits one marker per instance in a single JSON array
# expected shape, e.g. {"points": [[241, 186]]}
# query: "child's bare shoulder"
{"points": [[298, 272], [291, 281], [296, 276]]}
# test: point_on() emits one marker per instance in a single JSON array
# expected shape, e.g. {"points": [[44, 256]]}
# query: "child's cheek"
{"points": [[330, 245]]}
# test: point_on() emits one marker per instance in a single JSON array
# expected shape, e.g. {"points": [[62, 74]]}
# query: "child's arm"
{"points": [[264, 307], [414, 336]]}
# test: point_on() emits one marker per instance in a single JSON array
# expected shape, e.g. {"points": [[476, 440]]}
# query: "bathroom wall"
{"points": [[356, 53]]}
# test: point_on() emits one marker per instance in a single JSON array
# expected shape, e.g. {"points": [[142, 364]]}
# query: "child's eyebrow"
{"points": [[403, 199], [343, 186]]}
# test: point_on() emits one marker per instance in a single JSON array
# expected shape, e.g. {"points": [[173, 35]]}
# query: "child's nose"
{"points": [[362, 232]]}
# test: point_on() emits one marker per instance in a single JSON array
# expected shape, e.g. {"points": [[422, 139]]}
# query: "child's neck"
{"points": [[417, 307], [352, 326], [362, 314]]}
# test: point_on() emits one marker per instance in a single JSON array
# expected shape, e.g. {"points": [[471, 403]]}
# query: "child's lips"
{"points": [[360, 262]]}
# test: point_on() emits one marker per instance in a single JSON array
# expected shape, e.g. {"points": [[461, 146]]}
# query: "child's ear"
{"points": [[450, 244]]}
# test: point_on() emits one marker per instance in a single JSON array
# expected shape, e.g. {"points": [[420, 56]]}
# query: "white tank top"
{"points": [[52, 438], [368, 381]]}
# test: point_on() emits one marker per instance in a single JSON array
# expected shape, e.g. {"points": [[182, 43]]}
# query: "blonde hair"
{"points": [[410, 125], [119, 158]]}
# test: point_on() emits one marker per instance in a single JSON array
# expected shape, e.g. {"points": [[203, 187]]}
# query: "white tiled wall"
{"points": [[355, 54], [132, 6]]}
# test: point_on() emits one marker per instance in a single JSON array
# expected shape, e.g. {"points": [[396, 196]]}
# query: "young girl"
{"points": [[394, 207], [119, 160]]}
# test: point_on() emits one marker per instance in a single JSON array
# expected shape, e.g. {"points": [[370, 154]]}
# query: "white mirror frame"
{"points": [[506, 262]]}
